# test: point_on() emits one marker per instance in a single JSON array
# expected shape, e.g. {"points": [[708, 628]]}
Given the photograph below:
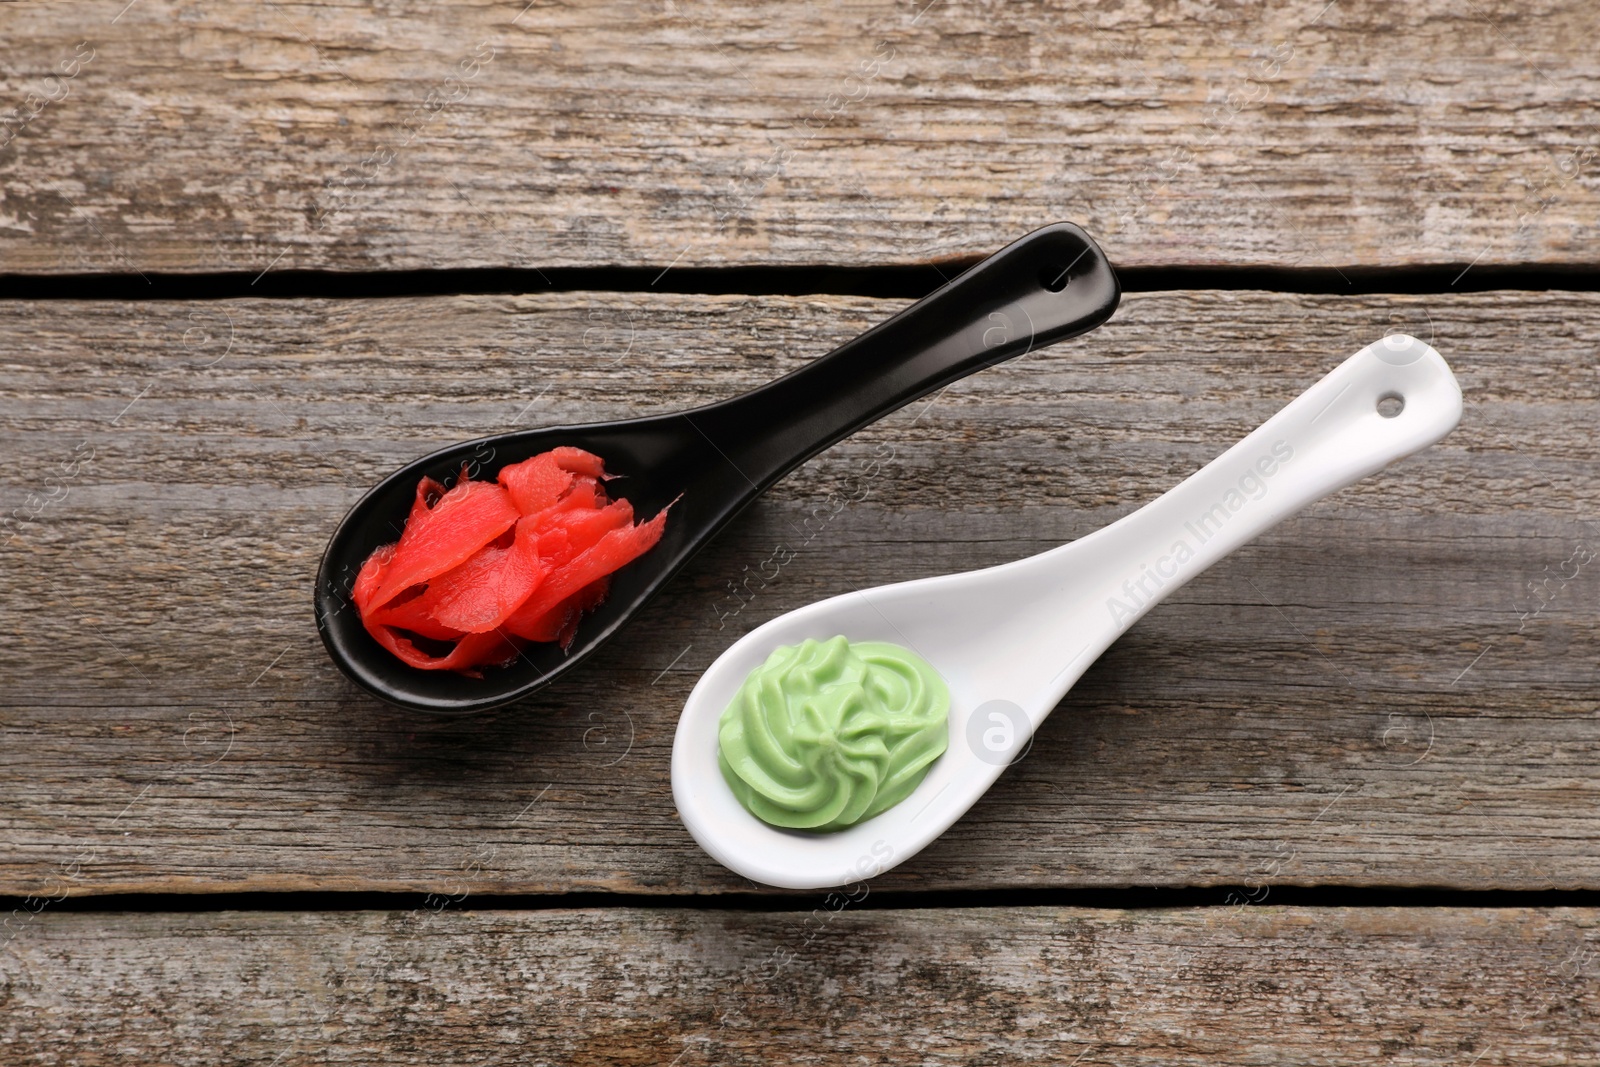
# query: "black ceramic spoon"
{"points": [[1053, 284]]}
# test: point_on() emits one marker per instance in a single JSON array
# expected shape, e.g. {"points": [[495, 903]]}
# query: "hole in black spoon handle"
{"points": [[1052, 284]]}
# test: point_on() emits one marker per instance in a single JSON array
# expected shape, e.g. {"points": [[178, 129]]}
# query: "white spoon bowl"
{"points": [[1011, 640]]}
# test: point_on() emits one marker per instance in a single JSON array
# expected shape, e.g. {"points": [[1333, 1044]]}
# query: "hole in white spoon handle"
{"points": [[1331, 435]]}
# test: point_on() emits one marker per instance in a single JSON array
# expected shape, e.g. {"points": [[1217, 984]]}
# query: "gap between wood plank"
{"points": [[1214, 897], [902, 281]]}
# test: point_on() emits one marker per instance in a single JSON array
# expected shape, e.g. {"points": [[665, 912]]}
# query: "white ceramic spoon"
{"points": [[1011, 640]]}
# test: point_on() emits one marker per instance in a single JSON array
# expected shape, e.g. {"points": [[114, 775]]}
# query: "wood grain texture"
{"points": [[1356, 698], [834, 985], [243, 136]]}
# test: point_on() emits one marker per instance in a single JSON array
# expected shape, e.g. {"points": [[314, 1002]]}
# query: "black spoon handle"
{"points": [[1052, 284]]}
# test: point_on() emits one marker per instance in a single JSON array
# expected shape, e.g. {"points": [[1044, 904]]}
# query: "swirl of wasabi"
{"points": [[825, 734]]}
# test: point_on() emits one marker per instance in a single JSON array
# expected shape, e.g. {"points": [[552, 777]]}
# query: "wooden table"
{"points": [[1336, 801]]}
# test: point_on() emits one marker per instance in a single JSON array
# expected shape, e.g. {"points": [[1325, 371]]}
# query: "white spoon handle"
{"points": [[1334, 433]]}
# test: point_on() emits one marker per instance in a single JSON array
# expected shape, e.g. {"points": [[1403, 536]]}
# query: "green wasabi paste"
{"points": [[825, 734]]}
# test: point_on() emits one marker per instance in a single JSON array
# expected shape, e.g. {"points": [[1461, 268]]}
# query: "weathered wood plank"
{"points": [[836, 985], [172, 136], [1353, 699]]}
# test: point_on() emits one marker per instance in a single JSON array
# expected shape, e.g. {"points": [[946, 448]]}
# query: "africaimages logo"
{"points": [[1142, 588]]}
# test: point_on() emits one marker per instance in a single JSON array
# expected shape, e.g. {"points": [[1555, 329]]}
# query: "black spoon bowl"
{"points": [[710, 463]]}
